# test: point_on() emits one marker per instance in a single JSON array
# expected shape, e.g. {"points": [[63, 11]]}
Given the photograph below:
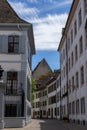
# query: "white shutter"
{"points": [[0, 44], [22, 44]]}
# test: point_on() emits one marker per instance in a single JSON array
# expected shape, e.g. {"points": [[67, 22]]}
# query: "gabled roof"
{"points": [[41, 62], [47, 79], [8, 15], [43, 80], [42, 68]]}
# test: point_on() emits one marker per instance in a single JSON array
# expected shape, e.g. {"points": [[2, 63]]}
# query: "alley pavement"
{"points": [[50, 125]]}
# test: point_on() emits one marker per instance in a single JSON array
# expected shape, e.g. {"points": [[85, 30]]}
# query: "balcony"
{"points": [[13, 95], [13, 92]]}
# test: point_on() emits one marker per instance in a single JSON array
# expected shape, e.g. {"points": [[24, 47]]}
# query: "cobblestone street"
{"points": [[50, 125]]}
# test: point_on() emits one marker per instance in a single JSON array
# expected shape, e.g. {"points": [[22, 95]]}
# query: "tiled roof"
{"points": [[7, 14], [47, 79], [45, 62], [42, 82]]}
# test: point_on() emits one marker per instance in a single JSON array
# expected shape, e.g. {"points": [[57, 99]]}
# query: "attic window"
{"points": [[13, 44]]}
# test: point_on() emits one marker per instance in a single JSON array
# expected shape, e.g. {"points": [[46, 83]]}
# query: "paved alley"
{"points": [[50, 125]]}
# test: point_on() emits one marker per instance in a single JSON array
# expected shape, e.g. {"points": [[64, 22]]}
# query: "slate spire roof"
{"points": [[8, 15]]}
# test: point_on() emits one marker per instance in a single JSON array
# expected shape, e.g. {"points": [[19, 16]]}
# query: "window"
{"points": [[81, 45], [66, 68], [49, 111], [58, 82], [66, 49], [58, 96], [69, 108], [83, 105], [71, 36], [77, 107], [64, 89], [69, 86], [72, 59], [64, 109], [58, 111], [63, 53], [86, 37], [68, 44], [13, 44], [82, 75], [75, 28], [44, 112], [55, 112], [73, 87], [10, 110], [73, 107], [69, 64], [52, 100], [85, 6], [54, 86], [11, 83], [76, 53], [64, 71], [80, 17], [77, 80]]}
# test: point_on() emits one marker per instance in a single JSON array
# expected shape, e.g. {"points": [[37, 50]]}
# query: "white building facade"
{"points": [[16, 50], [47, 101], [73, 51], [54, 99]]}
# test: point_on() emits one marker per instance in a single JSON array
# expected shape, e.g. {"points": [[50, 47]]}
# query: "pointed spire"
{"points": [[8, 15]]}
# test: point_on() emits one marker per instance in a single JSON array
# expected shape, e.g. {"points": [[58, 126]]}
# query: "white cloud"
{"points": [[24, 11], [32, 1], [47, 31], [56, 5]]}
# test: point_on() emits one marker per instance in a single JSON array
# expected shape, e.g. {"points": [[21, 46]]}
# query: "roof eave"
{"points": [[31, 39]]}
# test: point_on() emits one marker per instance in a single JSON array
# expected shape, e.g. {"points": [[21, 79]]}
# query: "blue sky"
{"points": [[48, 18]]}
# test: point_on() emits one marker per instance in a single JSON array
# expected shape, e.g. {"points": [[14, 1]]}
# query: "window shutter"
{"points": [[4, 77], [0, 44], [22, 44], [20, 80], [5, 44]]}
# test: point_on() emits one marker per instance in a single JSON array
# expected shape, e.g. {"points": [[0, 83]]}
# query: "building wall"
{"points": [[20, 63], [73, 59], [47, 105]]}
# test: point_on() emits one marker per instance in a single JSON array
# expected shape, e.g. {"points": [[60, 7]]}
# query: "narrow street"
{"points": [[50, 125]]}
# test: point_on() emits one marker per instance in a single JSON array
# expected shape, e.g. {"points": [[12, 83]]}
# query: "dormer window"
{"points": [[13, 44]]}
